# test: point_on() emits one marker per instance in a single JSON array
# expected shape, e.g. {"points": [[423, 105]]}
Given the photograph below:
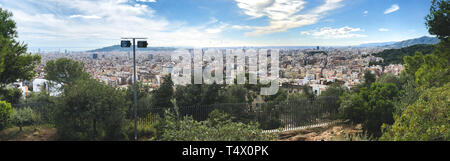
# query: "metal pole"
{"points": [[134, 92]]}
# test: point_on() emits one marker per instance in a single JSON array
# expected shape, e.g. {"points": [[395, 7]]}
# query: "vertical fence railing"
{"points": [[270, 115]]}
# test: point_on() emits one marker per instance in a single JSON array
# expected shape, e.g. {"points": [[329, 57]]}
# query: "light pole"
{"points": [[125, 43]]}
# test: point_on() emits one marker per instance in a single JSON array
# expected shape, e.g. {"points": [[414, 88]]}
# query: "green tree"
{"points": [[22, 117], [330, 97], [438, 21], [65, 71], [372, 106], [389, 78], [235, 94], [11, 95], [369, 78], [91, 110], [5, 114], [7, 25], [280, 96], [425, 120], [189, 95], [434, 72], [162, 97], [15, 63]]}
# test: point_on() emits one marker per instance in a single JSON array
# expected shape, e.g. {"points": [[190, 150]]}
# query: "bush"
{"points": [[427, 119], [5, 114], [22, 117], [145, 130], [91, 110], [213, 129], [371, 106], [11, 95]]}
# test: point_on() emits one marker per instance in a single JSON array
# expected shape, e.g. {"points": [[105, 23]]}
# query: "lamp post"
{"points": [[125, 43]]}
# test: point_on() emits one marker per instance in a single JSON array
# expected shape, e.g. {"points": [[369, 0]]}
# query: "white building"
{"points": [[43, 84]]}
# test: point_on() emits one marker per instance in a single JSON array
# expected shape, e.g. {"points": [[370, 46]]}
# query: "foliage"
{"points": [[22, 117], [91, 110], [235, 94], [269, 115], [434, 72], [216, 128], [408, 93], [330, 97], [5, 114], [7, 25], [15, 63], [437, 21], [163, 95], [390, 78], [369, 78], [198, 94], [395, 56], [429, 70], [280, 96], [11, 95], [145, 131], [144, 99], [65, 71], [372, 106], [426, 119]]}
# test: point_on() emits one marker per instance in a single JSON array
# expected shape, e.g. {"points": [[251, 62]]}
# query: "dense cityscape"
{"points": [[314, 67], [265, 70]]}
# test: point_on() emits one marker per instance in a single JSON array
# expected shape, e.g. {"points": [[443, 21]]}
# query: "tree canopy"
{"points": [[65, 71], [15, 63], [438, 21], [426, 120]]}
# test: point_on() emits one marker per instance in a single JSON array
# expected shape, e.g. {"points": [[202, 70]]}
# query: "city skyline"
{"points": [[84, 24]]}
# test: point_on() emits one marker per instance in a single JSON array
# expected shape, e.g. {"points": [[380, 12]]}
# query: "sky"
{"points": [[90, 24]]}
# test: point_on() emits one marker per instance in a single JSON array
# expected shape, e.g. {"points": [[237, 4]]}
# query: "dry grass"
{"points": [[28, 133]]}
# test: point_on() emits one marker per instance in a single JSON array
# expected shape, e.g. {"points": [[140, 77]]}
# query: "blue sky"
{"points": [[83, 24]]}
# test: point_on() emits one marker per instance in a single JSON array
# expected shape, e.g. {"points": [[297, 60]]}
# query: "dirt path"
{"points": [[337, 132], [28, 134]]}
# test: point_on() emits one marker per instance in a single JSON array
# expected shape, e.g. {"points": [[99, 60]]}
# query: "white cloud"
{"points": [[337, 33], [85, 17], [383, 29], [393, 8], [146, 0], [104, 22], [366, 13], [283, 14]]}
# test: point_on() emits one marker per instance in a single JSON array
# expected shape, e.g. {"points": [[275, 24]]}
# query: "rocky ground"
{"points": [[28, 134], [337, 132]]}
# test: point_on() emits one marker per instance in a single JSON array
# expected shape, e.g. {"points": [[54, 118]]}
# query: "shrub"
{"points": [[372, 106], [11, 95], [187, 129], [91, 110], [426, 119], [22, 117], [5, 114], [145, 130]]}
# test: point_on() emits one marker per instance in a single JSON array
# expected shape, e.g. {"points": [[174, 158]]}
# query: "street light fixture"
{"points": [[125, 43]]}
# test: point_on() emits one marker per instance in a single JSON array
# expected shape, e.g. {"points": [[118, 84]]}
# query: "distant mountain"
{"points": [[118, 48], [377, 44], [405, 43], [411, 42], [395, 56]]}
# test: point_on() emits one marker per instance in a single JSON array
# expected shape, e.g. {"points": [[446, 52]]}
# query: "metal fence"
{"points": [[270, 116]]}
